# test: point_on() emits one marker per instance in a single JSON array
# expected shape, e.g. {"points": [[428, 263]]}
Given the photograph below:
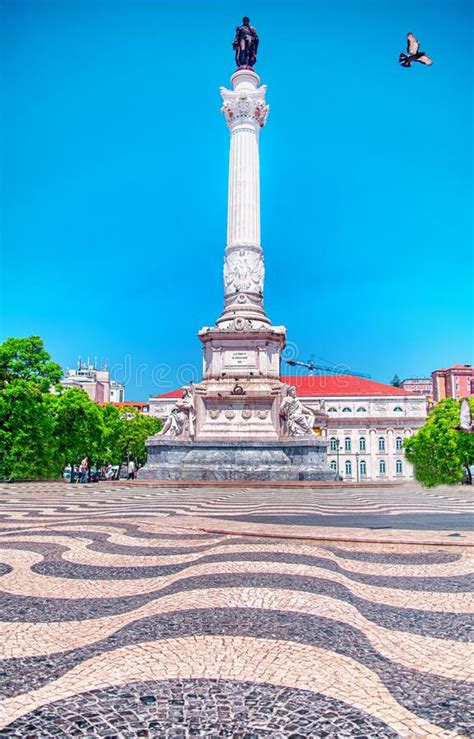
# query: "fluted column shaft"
{"points": [[243, 216], [246, 113]]}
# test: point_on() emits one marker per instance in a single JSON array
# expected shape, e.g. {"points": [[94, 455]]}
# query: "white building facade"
{"points": [[117, 392], [96, 382], [365, 422], [366, 435]]}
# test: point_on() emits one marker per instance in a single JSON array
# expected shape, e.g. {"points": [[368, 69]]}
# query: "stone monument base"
{"points": [[284, 459]]}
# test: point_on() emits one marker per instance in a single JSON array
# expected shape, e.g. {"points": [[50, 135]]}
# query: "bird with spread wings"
{"points": [[414, 54]]}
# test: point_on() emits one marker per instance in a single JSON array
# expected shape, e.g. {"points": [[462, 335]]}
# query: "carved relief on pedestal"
{"points": [[246, 412], [243, 272], [240, 324]]}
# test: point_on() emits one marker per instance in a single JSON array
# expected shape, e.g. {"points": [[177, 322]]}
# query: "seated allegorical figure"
{"points": [[298, 417], [181, 420]]}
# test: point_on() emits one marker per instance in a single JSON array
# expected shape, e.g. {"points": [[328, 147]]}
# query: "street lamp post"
{"points": [[337, 457], [357, 465]]}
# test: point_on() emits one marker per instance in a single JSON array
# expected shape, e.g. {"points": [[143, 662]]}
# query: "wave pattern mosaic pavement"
{"points": [[122, 616]]}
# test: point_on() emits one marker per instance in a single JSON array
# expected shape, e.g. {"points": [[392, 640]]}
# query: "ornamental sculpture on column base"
{"points": [[240, 421]]}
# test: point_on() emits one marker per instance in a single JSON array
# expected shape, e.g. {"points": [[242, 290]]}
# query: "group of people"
{"points": [[83, 473]]}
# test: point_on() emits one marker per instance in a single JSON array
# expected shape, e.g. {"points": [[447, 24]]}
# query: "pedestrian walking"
{"points": [[131, 470], [83, 467]]}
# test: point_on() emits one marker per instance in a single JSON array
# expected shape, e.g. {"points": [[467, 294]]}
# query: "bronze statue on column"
{"points": [[245, 44]]}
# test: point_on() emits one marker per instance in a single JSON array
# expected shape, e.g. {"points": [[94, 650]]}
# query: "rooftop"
{"points": [[417, 379], [331, 386], [455, 367]]}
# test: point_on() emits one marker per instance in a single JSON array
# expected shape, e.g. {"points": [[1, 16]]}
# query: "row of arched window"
{"points": [[363, 444], [363, 467], [361, 409]]}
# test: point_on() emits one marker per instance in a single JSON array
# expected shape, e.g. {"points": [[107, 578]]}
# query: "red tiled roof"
{"points": [[330, 386], [127, 403], [342, 385], [170, 394]]}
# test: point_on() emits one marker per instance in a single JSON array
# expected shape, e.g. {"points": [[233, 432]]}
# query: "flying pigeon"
{"points": [[465, 418], [413, 54]]}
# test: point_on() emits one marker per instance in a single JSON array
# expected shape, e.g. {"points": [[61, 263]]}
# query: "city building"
{"points": [[454, 382], [117, 392], [95, 381], [364, 421], [418, 385]]}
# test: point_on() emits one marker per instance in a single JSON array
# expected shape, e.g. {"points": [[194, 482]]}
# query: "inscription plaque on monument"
{"points": [[239, 358]]}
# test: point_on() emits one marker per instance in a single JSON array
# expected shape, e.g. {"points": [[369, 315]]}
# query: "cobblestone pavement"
{"points": [[134, 611]]}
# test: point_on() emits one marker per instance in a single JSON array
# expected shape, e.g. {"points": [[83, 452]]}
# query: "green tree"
{"points": [[112, 447], [79, 427], [27, 359], [395, 381], [438, 450], [40, 433], [136, 428], [28, 443]]}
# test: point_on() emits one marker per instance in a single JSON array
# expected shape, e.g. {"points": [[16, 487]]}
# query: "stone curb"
{"points": [[253, 484], [329, 538]]}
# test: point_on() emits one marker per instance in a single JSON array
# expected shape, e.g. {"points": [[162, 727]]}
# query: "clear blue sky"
{"points": [[114, 180]]}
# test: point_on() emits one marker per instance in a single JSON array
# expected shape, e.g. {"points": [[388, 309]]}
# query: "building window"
{"points": [[348, 468], [399, 443], [399, 467], [332, 410], [347, 444], [333, 465], [363, 468], [347, 409], [362, 410], [398, 409], [382, 467], [333, 444], [362, 444], [381, 444]]}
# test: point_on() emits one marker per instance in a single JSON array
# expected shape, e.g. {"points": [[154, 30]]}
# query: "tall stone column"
{"points": [[246, 113], [240, 422]]}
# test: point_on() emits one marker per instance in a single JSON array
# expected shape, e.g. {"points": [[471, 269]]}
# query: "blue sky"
{"points": [[114, 180]]}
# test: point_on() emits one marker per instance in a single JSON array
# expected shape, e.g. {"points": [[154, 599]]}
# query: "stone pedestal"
{"points": [[284, 459]]}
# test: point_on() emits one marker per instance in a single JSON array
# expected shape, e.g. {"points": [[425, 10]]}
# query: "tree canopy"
{"points": [[27, 359], [438, 450], [136, 428], [41, 432], [28, 439], [126, 430], [79, 427]]}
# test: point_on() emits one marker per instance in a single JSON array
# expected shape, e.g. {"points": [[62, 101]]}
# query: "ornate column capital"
{"points": [[246, 102]]}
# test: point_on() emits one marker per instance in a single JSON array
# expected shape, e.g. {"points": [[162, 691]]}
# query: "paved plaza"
{"points": [[141, 611]]}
